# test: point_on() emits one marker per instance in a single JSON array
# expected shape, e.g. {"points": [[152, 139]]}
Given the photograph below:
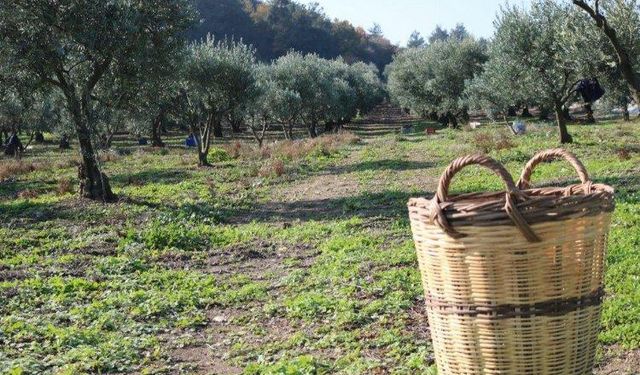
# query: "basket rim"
{"points": [[536, 205]]}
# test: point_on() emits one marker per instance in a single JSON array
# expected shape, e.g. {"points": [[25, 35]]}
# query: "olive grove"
{"points": [[539, 55], [65, 71], [67, 46]]}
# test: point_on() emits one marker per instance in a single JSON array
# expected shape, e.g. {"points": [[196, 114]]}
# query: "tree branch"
{"points": [[625, 62], [98, 71], [587, 8]]}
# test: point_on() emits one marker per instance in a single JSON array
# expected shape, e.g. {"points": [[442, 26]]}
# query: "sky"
{"points": [[399, 18]]}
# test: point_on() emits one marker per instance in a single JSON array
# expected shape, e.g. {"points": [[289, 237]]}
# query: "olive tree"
{"points": [[158, 97], [71, 45], [218, 76], [342, 105], [259, 111], [284, 101], [540, 49], [356, 90], [312, 79], [432, 79], [498, 89], [619, 21], [342, 97], [17, 110], [406, 77], [369, 89]]}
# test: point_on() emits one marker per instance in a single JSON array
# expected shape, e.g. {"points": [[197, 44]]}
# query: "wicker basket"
{"points": [[514, 281]]}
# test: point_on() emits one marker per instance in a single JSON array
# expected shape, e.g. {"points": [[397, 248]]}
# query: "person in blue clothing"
{"points": [[191, 141]]}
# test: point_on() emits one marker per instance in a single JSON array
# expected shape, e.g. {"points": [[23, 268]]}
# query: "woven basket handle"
{"points": [[551, 155], [512, 191]]}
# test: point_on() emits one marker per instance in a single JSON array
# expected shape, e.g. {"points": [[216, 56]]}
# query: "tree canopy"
{"points": [[431, 80], [537, 55]]}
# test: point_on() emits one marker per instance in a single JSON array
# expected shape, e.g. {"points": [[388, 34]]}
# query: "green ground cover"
{"points": [[295, 260]]}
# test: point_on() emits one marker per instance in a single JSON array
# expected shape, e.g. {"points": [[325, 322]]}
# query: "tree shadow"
{"points": [[381, 165], [627, 187], [390, 204], [156, 176], [372, 130], [25, 212], [10, 189]]}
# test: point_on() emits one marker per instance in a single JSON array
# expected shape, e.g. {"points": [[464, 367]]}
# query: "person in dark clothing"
{"points": [[590, 90], [142, 141], [64, 142], [13, 147], [39, 137]]}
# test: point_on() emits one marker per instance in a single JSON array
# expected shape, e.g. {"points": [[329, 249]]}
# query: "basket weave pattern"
{"points": [[514, 281]]}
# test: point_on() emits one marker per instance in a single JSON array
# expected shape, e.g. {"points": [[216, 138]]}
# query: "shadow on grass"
{"points": [[11, 189], [373, 130], [381, 165], [26, 211], [156, 176], [388, 205], [391, 204]]}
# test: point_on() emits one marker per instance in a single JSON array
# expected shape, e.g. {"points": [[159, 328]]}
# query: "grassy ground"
{"points": [[293, 260]]}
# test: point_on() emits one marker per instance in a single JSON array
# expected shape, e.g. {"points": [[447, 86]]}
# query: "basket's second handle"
{"points": [[512, 191], [550, 155]]}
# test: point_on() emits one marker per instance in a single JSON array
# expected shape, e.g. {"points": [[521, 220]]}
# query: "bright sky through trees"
{"points": [[399, 18]]}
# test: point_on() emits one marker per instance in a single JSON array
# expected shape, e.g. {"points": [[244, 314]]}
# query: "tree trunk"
{"points": [[204, 143], [464, 115], [156, 125], [342, 123], [329, 126], [39, 137], [235, 126], [259, 137], [511, 111], [625, 113], [624, 60], [289, 130], [217, 128], [313, 130], [452, 120], [93, 183], [566, 114], [525, 111], [202, 159], [109, 141], [565, 137], [31, 139]]}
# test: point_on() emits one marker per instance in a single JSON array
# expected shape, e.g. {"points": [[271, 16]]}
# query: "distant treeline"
{"points": [[275, 27]]}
